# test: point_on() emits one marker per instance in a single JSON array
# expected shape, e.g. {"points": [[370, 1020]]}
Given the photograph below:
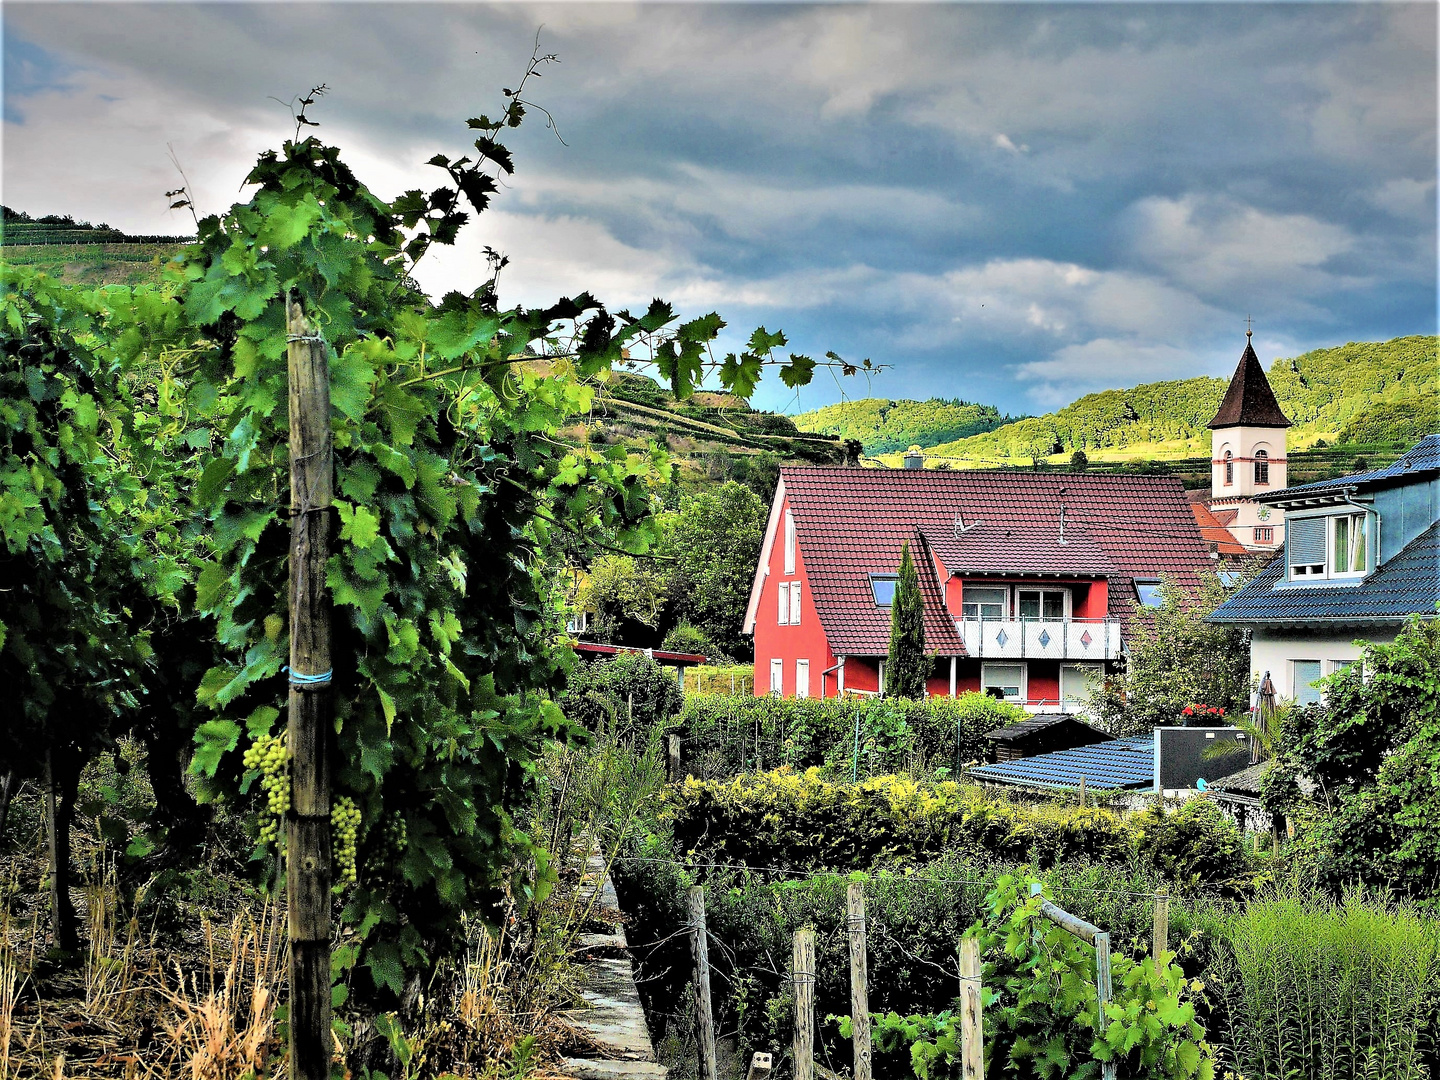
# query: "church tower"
{"points": [[1247, 455]]}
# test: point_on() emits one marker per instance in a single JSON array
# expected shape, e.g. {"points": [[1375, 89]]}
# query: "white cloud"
{"points": [[1410, 200], [1103, 362], [1223, 248]]}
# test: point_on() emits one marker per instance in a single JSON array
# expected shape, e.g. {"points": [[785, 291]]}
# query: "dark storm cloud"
{"points": [[1007, 202]]}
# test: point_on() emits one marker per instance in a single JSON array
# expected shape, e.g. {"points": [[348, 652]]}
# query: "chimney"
{"points": [[914, 459]]}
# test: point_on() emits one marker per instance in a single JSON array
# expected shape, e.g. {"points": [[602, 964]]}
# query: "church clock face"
{"points": [[1263, 513]]}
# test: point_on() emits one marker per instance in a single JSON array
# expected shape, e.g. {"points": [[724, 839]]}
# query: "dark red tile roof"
{"points": [[1248, 398], [852, 522]]}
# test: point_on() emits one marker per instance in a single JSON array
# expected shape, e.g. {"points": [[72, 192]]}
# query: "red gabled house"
{"points": [[1028, 578]]}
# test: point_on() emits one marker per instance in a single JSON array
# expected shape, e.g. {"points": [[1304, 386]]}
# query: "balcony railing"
{"points": [[1040, 639]]}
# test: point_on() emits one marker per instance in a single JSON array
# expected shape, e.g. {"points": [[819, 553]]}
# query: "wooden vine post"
{"points": [[859, 980], [972, 1025], [307, 830], [803, 973], [672, 746], [1161, 943], [704, 1017]]}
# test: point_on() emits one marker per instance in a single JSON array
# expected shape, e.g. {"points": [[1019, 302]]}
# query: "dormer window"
{"points": [[1337, 545], [1262, 467], [1229, 468]]}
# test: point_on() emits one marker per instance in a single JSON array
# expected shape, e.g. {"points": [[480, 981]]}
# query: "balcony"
{"points": [[1040, 639]]}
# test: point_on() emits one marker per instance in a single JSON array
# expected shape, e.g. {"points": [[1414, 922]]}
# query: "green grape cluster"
{"points": [[345, 830], [269, 754], [391, 843]]}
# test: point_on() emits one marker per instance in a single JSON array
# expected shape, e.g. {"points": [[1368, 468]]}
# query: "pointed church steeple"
{"points": [[1249, 401]]}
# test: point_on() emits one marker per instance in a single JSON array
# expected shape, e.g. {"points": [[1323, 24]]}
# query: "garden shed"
{"points": [[1113, 765], [1041, 734]]}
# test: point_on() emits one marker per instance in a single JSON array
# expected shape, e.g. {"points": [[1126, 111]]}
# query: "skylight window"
{"points": [[883, 587], [1149, 592]]}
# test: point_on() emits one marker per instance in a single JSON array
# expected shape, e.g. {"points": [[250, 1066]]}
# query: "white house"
{"points": [[1362, 553]]}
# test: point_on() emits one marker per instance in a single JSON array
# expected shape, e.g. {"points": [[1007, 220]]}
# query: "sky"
{"points": [[1007, 203]]}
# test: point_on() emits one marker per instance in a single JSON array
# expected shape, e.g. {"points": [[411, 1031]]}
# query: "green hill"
{"points": [[881, 426], [79, 253], [1363, 392]]}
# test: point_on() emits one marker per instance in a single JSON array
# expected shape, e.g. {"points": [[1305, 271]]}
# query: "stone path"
{"points": [[614, 1018]]}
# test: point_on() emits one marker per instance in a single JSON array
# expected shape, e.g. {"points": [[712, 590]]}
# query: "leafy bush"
{"points": [[735, 734], [1319, 990], [684, 637], [1042, 1010], [915, 920], [630, 691], [800, 820]]}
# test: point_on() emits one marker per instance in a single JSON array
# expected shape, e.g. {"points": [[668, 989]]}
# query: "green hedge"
{"points": [[802, 821], [727, 735]]}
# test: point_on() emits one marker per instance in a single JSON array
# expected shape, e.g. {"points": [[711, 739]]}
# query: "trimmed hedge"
{"points": [[801, 821], [727, 735]]}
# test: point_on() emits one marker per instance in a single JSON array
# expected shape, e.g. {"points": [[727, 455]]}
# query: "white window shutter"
{"points": [[784, 595], [795, 603], [789, 543]]}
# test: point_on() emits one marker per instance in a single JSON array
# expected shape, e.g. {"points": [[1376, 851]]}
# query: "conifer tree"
{"points": [[907, 665]]}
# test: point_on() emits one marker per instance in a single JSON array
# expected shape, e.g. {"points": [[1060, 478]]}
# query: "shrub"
{"points": [[1043, 1017], [800, 820], [683, 637], [735, 734], [631, 690], [1320, 990]]}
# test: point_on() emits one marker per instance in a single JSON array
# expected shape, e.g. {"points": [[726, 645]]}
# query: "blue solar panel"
{"points": [[1106, 766]]}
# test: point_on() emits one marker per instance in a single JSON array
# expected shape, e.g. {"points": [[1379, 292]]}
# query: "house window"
{"points": [[794, 603], [1264, 534], [777, 677], [1262, 467], [1349, 551], [1229, 468], [983, 603], [802, 678], [883, 588], [1307, 674], [1149, 592], [789, 543], [1305, 547], [783, 616], [1048, 604], [1078, 682], [1009, 679]]}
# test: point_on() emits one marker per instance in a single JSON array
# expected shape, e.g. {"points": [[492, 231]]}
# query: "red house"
{"points": [[1028, 578]]}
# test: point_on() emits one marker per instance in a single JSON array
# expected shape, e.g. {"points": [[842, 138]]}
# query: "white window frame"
{"points": [[777, 677], [1295, 686], [1098, 669], [1268, 530], [802, 678], [894, 578], [1332, 527], [1064, 603], [1005, 605], [782, 612], [789, 543], [794, 603], [1260, 459], [1024, 678]]}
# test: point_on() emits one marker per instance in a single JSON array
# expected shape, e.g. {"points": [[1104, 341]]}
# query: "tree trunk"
{"points": [[7, 791], [62, 779]]}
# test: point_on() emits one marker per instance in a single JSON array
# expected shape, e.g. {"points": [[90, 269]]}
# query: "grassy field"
{"points": [[93, 264]]}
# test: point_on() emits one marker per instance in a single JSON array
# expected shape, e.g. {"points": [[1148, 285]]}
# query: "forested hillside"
{"points": [[1363, 392], [882, 426]]}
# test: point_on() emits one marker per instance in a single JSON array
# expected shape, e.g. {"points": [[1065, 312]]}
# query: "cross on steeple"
{"points": [[1248, 331]]}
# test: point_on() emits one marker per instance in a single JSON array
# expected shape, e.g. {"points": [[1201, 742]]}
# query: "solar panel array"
{"points": [[1107, 766]]}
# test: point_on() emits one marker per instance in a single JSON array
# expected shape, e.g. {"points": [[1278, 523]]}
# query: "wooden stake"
{"points": [[673, 746], [1082, 792], [1102, 987], [1162, 925], [803, 974], [972, 1027], [704, 1018], [307, 830], [859, 980]]}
